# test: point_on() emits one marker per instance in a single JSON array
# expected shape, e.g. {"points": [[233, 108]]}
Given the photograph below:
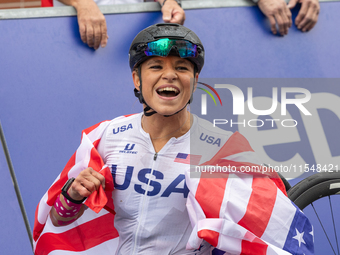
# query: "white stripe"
{"points": [[108, 247], [210, 224], [194, 209], [247, 156], [97, 133], [83, 153], [43, 209], [194, 241], [192, 179], [86, 217], [236, 197], [231, 237], [280, 221], [272, 250], [232, 245]]}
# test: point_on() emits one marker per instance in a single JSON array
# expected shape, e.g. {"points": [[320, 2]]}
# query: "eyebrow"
{"points": [[183, 61], [155, 61], [160, 61]]}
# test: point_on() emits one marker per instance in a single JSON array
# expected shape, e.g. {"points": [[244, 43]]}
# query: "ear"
{"points": [[195, 82], [136, 79]]}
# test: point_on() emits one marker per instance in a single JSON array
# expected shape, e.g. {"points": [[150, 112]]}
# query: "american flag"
{"points": [[94, 231], [188, 158], [236, 213], [245, 213]]}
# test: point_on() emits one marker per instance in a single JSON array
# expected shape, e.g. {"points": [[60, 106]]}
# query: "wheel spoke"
{"points": [[336, 237], [323, 228]]}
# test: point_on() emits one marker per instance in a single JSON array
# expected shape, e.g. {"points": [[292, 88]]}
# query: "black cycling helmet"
{"points": [[159, 31], [184, 43]]}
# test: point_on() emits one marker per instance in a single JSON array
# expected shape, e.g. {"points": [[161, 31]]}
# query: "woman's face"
{"points": [[167, 83]]}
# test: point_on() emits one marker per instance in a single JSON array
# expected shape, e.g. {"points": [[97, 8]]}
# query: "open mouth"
{"points": [[168, 92]]}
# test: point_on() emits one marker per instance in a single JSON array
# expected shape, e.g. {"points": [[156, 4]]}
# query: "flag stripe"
{"points": [[283, 212], [260, 206], [77, 163], [55, 189], [247, 156], [257, 246], [211, 204], [38, 226], [87, 131], [210, 236], [188, 158], [69, 240], [95, 161], [238, 192], [229, 147], [103, 248]]}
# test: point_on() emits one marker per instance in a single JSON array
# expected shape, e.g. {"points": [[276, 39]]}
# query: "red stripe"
{"points": [[55, 189], [96, 162], [52, 194], [128, 115], [239, 142], [260, 206], [257, 246], [209, 235], [182, 160], [95, 143], [46, 3], [81, 238], [210, 198], [38, 228], [89, 129], [279, 183]]}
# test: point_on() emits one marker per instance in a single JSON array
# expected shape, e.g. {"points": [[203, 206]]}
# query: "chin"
{"points": [[170, 112]]}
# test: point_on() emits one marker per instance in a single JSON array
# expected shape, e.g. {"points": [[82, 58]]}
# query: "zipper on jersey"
{"points": [[144, 197]]}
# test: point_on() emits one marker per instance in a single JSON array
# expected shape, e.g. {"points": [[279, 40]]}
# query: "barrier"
{"points": [[53, 86]]}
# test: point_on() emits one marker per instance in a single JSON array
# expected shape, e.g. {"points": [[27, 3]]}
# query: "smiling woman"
{"points": [[167, 84], [143, 162]]}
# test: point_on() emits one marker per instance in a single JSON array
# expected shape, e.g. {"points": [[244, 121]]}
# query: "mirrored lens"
{"points": [[163, 47]]}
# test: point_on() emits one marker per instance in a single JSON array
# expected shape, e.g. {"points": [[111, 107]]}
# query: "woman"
{"points": [[160, 210]]}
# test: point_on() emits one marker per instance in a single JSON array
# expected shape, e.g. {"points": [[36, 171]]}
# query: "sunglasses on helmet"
{"points": [[162, 48]]}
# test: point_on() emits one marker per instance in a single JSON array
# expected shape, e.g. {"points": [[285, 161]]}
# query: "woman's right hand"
{"points": [[86, 183]]}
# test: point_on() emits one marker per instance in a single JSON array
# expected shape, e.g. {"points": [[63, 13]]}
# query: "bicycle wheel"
{"points": [[316, 196]]}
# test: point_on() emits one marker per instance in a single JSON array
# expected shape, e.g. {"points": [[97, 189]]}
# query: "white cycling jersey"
{"points": [[150, 190]]}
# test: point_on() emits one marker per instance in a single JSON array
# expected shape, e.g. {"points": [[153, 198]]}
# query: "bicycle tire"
{"points": [[315, 187], [285, 182]]}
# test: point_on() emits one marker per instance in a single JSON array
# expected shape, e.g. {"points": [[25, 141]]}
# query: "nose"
{"points": [[169, 73]]}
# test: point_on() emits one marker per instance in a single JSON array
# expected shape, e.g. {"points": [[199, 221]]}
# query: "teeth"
{"points": [[168, 89]]}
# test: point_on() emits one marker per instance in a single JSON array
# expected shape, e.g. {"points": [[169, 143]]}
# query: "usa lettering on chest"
{"points": [[123, 128], [177, 185], [210, 139]]}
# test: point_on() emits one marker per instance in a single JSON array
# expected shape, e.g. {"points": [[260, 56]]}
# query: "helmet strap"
{"points": [[139, 95]]}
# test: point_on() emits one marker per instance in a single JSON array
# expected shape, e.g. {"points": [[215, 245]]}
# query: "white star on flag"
{"points": [[312, 233], [299, 237]]}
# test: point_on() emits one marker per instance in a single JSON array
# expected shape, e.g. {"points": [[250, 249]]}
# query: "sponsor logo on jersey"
{"points": [[123, 128], [151, 177], [210, 139], [129, 149]]}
